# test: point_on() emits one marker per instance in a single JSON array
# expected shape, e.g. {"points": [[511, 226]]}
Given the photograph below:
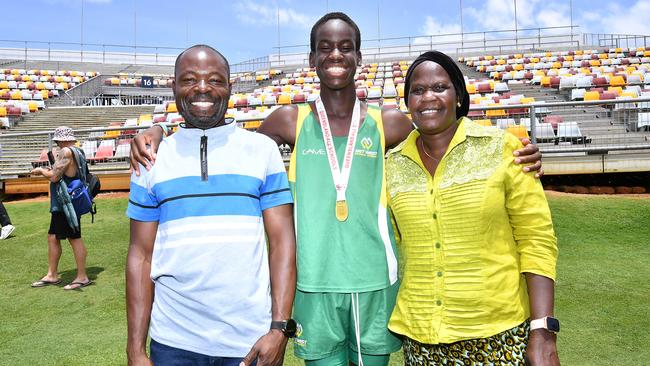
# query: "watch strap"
{"points": [[543, 323], [280, 324], [538, 323]]}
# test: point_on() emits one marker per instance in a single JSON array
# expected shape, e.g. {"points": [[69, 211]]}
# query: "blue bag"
{"points": [[81, 200]]}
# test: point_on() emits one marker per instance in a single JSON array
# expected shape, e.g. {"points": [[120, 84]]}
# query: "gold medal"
{"points": [[341, 210]]}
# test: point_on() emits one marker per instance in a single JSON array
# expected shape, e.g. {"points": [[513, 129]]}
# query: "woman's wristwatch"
{"points": [[548, 322]]}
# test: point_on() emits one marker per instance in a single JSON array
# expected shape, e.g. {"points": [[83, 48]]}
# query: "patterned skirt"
{"points": [[505, 348]]}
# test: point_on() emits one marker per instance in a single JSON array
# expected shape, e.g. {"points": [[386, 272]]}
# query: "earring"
{"points": [[458, 104]]}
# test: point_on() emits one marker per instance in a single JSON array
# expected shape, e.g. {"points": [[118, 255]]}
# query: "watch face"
{"points": [[553, 324], [290, 328]]}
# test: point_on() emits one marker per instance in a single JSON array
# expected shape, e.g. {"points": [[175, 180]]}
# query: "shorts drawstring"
{"points": [[357, 326]]}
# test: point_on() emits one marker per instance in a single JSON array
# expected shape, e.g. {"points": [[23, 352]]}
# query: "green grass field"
{"points": [[602, 296]]}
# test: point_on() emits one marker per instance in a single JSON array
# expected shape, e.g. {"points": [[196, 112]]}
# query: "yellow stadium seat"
{"points": [[518, 67], [251, 125], [519, 131], [16, 95], [568, 58], [527, 100], [628, 95], [3, 111], [501, 61], [114, 81], [112, 134], [284, 99], [171, 107], [556, 65], [594, 62], [646, 53], [591, 95], [603, 56], [33, 107], [45, 94], [471, 88], [617, 81], [40, 86], [145, 117], [483, 122], [546, 81], [400, 90], [579, 52], [495, 112]]}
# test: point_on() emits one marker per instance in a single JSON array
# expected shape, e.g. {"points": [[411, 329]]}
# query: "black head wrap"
{"points": [[455, 75]]}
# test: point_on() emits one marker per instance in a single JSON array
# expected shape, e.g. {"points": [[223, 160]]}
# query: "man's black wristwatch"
{"points": [[287, 327]]}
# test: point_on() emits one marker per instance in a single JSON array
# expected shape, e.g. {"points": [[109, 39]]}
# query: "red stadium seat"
{"points": [[103, 153], [299, 98], [553, 120], [362, 93]]}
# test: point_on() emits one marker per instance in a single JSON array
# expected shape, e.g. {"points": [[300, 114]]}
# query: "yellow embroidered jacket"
{"points": [[466, 237]]}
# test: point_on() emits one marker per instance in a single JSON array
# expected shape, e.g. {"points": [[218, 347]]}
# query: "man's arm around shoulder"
{"points": [[139, 290], [278, 222]]}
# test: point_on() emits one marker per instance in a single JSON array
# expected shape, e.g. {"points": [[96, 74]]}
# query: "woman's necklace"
{"points": [[426, 153]]}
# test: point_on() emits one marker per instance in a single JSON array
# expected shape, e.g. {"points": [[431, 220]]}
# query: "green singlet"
{"points": [[355, 255]]}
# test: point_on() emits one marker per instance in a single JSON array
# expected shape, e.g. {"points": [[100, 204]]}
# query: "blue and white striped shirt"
{"points": [[210, 260]]}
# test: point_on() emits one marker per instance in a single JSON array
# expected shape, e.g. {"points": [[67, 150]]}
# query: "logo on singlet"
{"points": [[313, 151], [366, 144]]}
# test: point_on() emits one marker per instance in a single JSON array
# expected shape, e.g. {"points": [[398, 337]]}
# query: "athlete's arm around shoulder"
{"points": [[280, 125], [396, 126]]}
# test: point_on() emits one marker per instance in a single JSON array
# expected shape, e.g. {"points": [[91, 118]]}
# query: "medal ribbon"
{"points": [[339, 176]]}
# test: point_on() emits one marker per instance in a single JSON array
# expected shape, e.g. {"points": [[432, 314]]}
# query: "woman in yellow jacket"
{"points": [[477, 246]]}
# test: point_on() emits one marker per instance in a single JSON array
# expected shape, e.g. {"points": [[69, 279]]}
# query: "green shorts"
{"points": [[327, 335]]}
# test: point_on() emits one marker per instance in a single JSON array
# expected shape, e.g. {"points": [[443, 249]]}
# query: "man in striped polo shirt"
{"points": [[199, 277]]}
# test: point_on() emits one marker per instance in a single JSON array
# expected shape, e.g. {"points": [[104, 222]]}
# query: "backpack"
{"points": [[90, 180]]}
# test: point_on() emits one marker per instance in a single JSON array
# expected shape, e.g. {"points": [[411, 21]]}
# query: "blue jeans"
{"points": [[162, 355]]}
